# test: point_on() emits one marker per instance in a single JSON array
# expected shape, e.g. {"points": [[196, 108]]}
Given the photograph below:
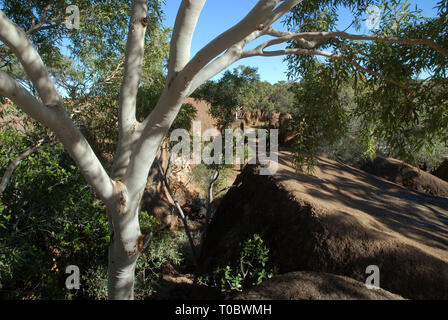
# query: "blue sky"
{"points": [[218, 15]]}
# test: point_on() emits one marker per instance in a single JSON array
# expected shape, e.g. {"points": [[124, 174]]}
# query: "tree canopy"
{"points": [[399, 89]]}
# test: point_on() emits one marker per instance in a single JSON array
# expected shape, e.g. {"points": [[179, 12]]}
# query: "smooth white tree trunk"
{"points": [[124, 247]]}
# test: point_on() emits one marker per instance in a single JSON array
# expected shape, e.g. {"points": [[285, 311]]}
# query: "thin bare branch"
{"points": [[343, 35], [330, 55], [180, 211], [30, 11], [310, 40], [45, 25], [109, 77], [16, 162], [284, 36], [208, 216]]}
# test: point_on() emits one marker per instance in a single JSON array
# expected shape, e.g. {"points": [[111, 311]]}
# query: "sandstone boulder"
{"points": [[304, 285], [339, 220], [406, 175]]}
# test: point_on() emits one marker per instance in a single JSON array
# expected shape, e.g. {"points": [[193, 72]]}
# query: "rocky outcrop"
{"points": [[303, 285], [274, 120], [287, 131], [339, 220], [285, 125], [406, 175], [202, 113]]}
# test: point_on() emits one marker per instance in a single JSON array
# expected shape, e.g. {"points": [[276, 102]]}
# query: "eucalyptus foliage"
{"points": [[400, 91]]}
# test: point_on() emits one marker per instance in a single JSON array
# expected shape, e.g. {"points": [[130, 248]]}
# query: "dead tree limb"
{"points": [[209, 206], [179, 209]]}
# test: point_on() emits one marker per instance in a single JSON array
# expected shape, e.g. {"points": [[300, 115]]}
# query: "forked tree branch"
{"points": [[44, 25], [253, 21], [179, 86], [234, 52]]}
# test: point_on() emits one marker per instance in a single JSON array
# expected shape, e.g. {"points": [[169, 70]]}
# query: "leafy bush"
{"points": [[161, 252], [249, 270], [49, 219]]}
